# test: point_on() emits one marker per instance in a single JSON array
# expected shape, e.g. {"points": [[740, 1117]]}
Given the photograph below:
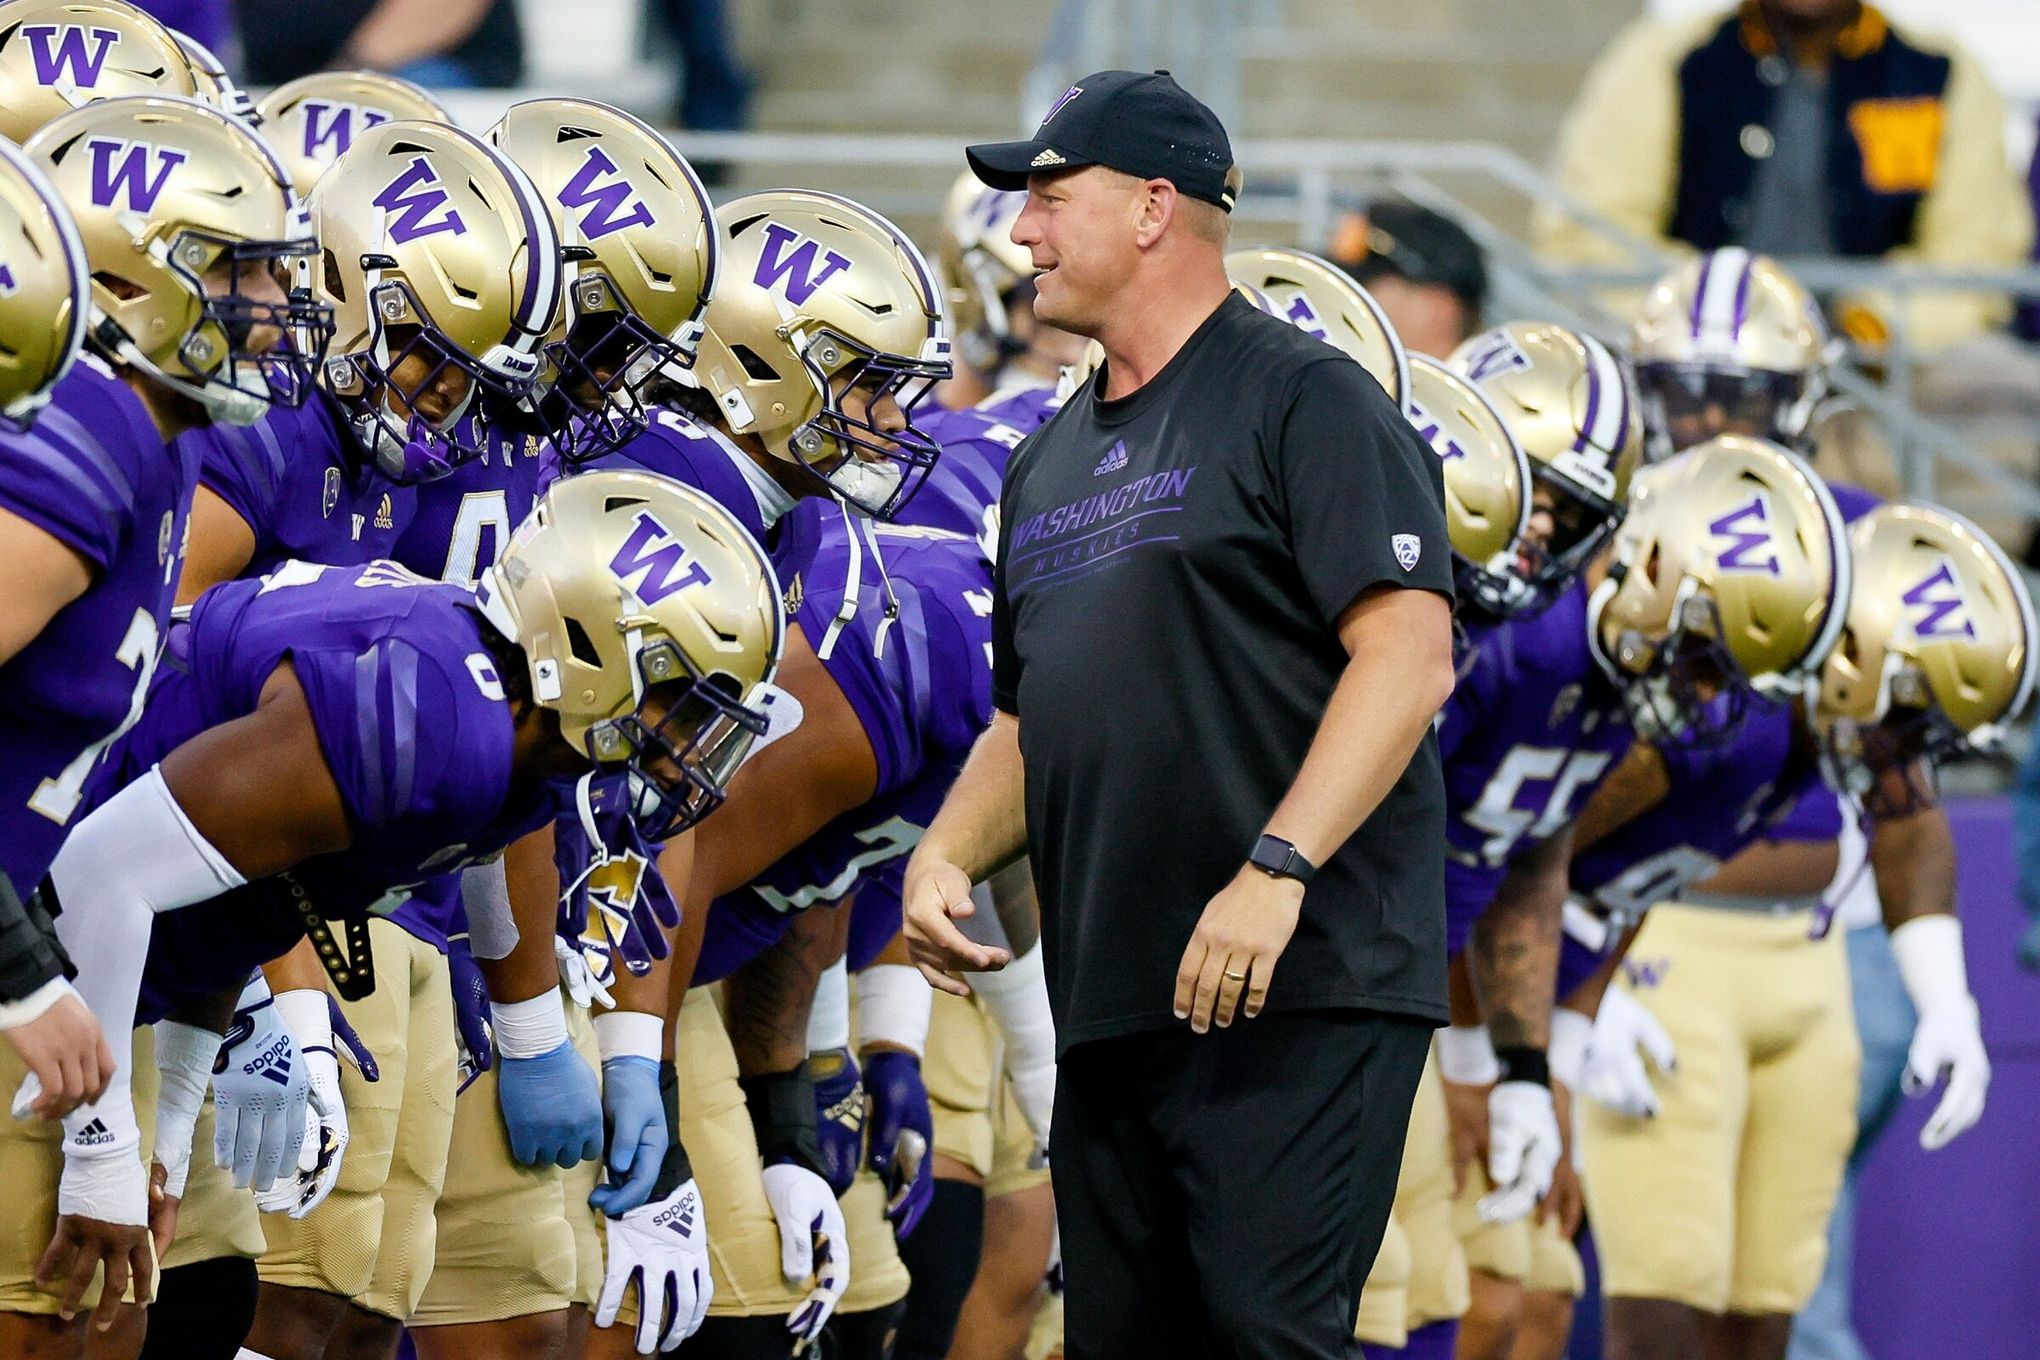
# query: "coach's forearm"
{"points": [[1399, 675], [982, 825], [1515, 946]]}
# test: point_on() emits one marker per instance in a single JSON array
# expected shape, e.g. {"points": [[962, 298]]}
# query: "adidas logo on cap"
{"points": [[1049, 156]]}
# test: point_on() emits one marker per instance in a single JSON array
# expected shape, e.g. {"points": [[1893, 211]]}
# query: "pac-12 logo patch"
{"points": [[1408, 548]]}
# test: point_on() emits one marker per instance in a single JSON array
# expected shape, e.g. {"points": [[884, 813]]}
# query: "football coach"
{"points": [[1222, 626]]}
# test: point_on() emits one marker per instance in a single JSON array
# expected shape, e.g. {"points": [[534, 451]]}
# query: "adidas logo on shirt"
{"points": [[1114, 459], [95, 1134]]}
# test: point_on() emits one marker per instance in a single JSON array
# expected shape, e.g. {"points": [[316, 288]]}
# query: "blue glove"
{"points": [[636, 1121], [350, 1042], [552, 1107], [902, 1134], [839, 1115], [470, 1010]]}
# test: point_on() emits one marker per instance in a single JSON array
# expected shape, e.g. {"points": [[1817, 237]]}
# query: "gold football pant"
{"points": [[1721, 1202], [1419, 1276]]}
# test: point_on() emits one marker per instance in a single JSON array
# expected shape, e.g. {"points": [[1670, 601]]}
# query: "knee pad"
{"points": [[202, 1311], [942, 1257]]}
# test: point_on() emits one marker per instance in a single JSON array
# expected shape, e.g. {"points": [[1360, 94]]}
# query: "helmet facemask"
{"points": [[1679, 397], [873, 470], [605, 368], [1534, 574], [1686, 689]]}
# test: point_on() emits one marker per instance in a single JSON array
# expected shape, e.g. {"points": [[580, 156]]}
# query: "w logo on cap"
{"points": [[600, 193], [412, 199], [335, 124], [795, 264], [69, 54], [655, 564], [1067, 95], [1938, 604], [1748, 531], [130, 174]]}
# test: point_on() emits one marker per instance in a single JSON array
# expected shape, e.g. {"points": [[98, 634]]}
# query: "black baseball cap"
{"points": [[1138, 123]]}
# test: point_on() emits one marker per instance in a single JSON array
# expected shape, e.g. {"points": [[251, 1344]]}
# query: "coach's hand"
{"points": [[935, 897], [1233, 951]]}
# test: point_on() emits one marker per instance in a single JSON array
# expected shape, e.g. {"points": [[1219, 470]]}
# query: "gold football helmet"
{"points": [[1320, 300], [443, 269], [214, 85], [1572, 407], [313, 119], [58, 55], [647, 244], [198, 247], [651, 622], [1731, 574], [1937, 655], [45, 288], [980, 266], [1729, 343], [818, 295], [1487, 478]]}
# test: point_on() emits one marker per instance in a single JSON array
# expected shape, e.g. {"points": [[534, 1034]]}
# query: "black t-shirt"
{"points": [[1171, 569]]}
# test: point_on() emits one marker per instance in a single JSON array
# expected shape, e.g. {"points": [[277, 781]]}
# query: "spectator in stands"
{"points": [[1797, 128], [1423, 269], [441, 44], [715, 89]]}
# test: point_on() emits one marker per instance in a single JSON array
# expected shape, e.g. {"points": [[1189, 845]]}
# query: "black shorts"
{"points": [[1224, 1194]]}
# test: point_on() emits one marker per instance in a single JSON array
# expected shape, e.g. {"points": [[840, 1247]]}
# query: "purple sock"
{"points": [[1432, 1341], [1370, 1351]]}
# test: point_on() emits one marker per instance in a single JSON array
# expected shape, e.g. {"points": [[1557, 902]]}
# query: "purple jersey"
{"points": [[876, 915], [95, 475], [962, 491], [414, 725], [300, 481], [690, 453], [918, 676], [1529, 732]]}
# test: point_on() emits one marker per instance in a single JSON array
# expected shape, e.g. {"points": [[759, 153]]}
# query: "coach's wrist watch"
{"points": [[1279, 859]]}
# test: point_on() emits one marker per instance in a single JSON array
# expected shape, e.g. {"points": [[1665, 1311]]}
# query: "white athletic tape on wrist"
{"points": [[1467, 1057], [828, 1023], [527, 1029], [629, 1034], [893, 1005], [1930, 960]]}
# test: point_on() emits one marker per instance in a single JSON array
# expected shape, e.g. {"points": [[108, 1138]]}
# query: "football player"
{"points": [[338, 735], [56, 55], [311, 121], [1739, 847], [988, 283], [188, 229], [1319, 299]]}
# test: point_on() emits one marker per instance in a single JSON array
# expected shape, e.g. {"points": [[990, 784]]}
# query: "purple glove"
{"points": [[616, 898], [470, 1010], [350, 1042], [839, 1115], [902, 1134]]}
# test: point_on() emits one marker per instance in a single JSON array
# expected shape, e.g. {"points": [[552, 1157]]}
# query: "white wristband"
{"points": [[1567, 1052], [828, 1023], [1466, 1056], [893, 1005], [527, 1029], [308, 1016], [14, 1014], [629, 1034], [1929, 953]]}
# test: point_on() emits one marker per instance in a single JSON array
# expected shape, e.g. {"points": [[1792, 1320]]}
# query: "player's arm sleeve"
{"points": [[61, 479], [1618, 149], [1363, 494], [243, 466], [389, 722]]}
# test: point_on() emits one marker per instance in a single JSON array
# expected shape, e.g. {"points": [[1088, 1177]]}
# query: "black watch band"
{"points": [[1278, 857]]}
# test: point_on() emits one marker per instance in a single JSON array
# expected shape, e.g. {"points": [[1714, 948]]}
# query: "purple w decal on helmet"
{"points": [[1433, 432], [663, 563], [786, 259], [1498, 353], [1304, 317], [9, 285], [335, 124], [1745, 541], [61, 54], [412, 198], [133, 172], [600, 193], [1938, 600]]}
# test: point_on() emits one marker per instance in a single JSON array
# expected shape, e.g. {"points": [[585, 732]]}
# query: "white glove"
{"points": [[184, 1055], [813, 1244], [585, 973], [309, 1017], [259, 1094], [1625, 1033], [1949, 1037], [664, 1245], [1523, 1150]]}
